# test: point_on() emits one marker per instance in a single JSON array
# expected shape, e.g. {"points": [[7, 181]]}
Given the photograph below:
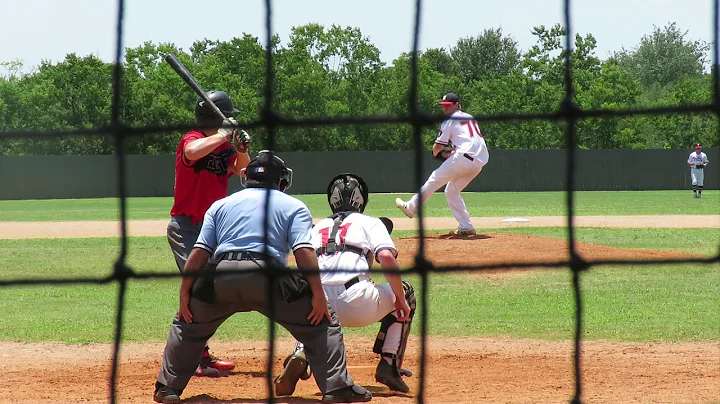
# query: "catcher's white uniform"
{"points": [[471, 154], [361, 303]]}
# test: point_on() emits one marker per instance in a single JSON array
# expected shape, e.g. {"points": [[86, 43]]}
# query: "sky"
{"points": [[36, 30]]}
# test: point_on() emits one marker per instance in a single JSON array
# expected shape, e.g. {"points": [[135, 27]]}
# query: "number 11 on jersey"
{"points": [[325, 233]]}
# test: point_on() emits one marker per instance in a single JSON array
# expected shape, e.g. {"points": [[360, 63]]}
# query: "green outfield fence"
{"points": [[568, 112], [386, 171]]}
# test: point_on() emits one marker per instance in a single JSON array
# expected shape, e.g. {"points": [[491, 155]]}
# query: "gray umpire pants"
{"points": [[324, 345], [182, 234]]}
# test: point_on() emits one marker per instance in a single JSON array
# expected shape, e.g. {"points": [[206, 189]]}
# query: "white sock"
{"points": [[392, 341], [299, 347], [413, 203]]}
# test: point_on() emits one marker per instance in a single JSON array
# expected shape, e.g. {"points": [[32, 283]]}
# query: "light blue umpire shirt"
{"points": [[237, 223]]}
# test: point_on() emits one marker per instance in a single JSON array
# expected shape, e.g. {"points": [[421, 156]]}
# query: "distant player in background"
{"points": [[204, 161], [461, 147], [697, 162]]}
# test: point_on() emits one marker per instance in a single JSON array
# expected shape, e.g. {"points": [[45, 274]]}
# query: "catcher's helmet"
{"points": [[347, 192], [267, 169], [204, 114]]}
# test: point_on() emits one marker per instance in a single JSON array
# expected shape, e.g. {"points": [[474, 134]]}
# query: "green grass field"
{"points": [[488, 204], [642, 303]]}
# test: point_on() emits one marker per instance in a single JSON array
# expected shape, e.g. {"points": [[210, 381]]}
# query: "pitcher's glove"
{"points": [[700, 166], [445, 152]]}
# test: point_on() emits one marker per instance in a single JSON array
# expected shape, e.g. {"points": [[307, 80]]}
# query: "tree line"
{"points": [[337, 72]]}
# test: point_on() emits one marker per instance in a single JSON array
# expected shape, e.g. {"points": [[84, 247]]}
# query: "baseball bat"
{"points": [[184, 73]]}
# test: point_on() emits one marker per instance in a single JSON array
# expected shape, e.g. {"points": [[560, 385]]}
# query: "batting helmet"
{"points": [[347, 192], [267, 169], [204, 114]]}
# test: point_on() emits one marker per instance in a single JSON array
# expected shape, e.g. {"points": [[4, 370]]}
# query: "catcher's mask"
{"points": [[347, 192], [204, 114], [267, 170]]}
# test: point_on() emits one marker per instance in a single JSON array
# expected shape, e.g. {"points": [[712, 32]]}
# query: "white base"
{"points": [[516, 219]]}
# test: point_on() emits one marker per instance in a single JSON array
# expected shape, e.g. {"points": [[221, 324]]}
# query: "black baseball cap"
{"points": [[449, 99], [266, 167]]}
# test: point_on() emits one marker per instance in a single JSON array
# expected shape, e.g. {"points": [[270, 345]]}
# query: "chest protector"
{"points": [[332, 247]]}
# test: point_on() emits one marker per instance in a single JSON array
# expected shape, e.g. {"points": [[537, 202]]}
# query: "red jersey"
{"points": [[201, 182]]}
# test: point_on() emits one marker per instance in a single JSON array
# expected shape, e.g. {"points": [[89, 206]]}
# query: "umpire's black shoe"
{"points": [[388, 375], [164, 394], [295, 367], [350, 394]]}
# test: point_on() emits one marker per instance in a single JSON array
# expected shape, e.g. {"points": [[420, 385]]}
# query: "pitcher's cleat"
{"points": [[462, 233], [403, 207]]}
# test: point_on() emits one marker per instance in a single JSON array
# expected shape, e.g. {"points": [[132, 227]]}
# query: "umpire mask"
{"points": [[267, 170]]}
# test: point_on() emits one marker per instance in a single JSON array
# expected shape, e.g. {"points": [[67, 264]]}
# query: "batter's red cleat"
{"points": [[211, 361], [212, 366]]}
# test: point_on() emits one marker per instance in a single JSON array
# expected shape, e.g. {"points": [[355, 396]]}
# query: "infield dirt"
{"points": [[459, 371], [18, 230]]}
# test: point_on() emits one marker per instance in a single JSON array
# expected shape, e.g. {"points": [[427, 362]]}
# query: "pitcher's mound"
{"points": [[502, 248]]}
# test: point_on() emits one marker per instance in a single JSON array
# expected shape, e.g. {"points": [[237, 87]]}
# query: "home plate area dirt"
{"points": [[457, 370]]}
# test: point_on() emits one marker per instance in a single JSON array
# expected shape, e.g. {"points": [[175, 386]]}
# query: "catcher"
{"points": [[346, 245], [204, 161]]}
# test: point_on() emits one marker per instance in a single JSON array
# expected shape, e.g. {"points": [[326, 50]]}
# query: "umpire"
{"points": [[233, 232]]}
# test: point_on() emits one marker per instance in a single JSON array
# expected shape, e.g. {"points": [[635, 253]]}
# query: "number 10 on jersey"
{"points": [[470, 125]]}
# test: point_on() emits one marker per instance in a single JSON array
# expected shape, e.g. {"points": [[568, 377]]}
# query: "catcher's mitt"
{"points": [[388, 224], [445, 152]]}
